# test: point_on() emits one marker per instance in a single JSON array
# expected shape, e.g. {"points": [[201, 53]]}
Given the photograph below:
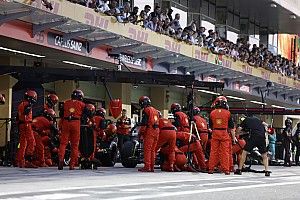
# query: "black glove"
{"points": [[27, 109]]}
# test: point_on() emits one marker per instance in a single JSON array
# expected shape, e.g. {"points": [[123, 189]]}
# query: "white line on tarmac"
{"points": [[210, 178], [182, 193], [175, 186], [137, 190], [50, 197]]}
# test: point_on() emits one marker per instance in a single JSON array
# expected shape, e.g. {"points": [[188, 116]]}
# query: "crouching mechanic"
{"points": [[167, 138], [41, 127], [71, 113], [256, 130], [150, 133], [221, 124], [193, 146]]}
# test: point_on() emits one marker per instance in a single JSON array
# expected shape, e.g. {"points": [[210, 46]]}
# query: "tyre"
{"points": [[108, 159], [129, 157]]}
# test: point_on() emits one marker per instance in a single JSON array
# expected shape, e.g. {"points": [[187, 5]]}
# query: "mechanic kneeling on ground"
{"points": [[256, 130]]}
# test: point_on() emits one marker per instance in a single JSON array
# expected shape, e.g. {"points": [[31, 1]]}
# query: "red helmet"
{"points": [[196, 111], [77, 95], [49, 114], [2, 99], [175, 107], [180, 160], [111, 129], [30, 96], [144, 101], [100, 112], [52, 100], [90, 108], [220, 102]]}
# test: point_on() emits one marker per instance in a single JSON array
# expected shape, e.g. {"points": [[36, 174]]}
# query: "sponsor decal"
{"points": [[247, 69], [245, 88], [201, 55], [131, 60], [227, 63], [172, 46], [210, 79], [74, 45], [296, 84], [138, 35], [282, 80], [265, 75], [96, 20]]}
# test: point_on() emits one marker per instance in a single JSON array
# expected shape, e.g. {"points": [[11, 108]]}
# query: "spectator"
{"points": [[101, 6], [170, 11], [190, 38], [178, 33], [147, 9], [91, 4], [142, 19], [133, 18], [125, 13], [114, 10], [175, 24], [155, 13], [167, 30], [184, 35], [153, 24], [164, 14]]}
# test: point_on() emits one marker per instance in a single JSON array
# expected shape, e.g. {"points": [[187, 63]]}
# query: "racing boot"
{"points": [[60, 165], [238, 172], [267, 173], [145, 170], [29, 163], [227, 173]]}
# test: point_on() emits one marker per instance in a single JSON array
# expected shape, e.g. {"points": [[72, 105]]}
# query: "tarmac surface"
{"points": [[119, 183]]}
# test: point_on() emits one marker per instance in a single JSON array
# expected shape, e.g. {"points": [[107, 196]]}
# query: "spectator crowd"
{"points": [[161, 21]]}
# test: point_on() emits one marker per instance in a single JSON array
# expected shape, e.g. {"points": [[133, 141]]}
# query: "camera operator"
{"points": [[256, 130]]}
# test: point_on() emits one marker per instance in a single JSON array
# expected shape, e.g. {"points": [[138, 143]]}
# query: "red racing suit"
{"points": [[167, 137], [202, 129], [46, 106], [220, 123], [150, 133], [41, 128], [194, 147], [181, 121], [27, 142], [72, 113], [99, 127], [123, 126], [180, 159], [237, 149]]}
